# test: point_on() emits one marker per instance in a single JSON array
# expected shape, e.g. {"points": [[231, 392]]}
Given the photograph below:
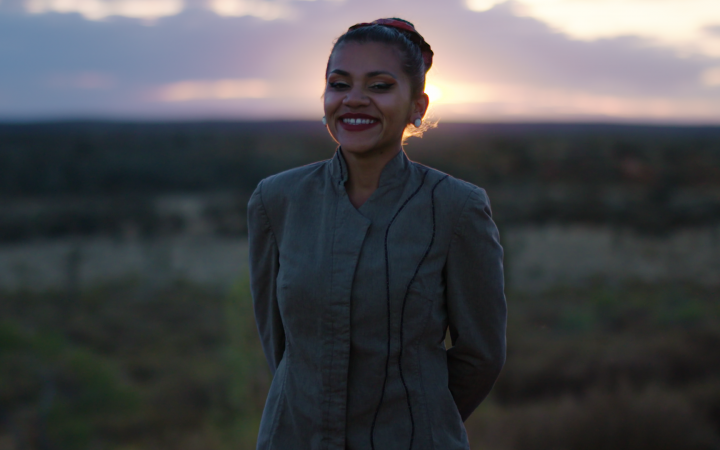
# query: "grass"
{"points": [[623, 367], [126, 366]]}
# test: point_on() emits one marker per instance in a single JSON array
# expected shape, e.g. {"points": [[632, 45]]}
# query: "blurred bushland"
{"points": [[118, 242], [119, 179], [126, 366], [180, 367]]}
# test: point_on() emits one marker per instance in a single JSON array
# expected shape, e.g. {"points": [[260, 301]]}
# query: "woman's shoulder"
{"points": [[295, 176], [454, 194], [278, 188]]}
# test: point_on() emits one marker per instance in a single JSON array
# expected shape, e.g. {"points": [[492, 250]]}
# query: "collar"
{"points": [[395, 171]]}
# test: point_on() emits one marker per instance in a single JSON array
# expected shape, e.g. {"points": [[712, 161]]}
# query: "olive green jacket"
{"points": [[352, 306]]}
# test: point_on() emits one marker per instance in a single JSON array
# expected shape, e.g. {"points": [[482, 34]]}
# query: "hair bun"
{"points": [[410, 32]]}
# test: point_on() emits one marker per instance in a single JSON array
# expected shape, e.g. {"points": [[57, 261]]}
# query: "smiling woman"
{"points": [[361, 263], [368, 105]]}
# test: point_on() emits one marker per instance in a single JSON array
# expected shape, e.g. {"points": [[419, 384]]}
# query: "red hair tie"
{"points": [[427, 53]]}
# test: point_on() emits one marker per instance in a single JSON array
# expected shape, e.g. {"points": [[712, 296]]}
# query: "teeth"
{"points": [[358, 121]]}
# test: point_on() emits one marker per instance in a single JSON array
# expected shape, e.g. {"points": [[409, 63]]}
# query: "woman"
{"points": [[359, 264]]}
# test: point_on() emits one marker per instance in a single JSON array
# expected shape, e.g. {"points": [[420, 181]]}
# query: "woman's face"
{"points": [[367, 98]]}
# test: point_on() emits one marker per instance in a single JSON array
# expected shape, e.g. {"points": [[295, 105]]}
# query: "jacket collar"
{"points": [[395, 171]]}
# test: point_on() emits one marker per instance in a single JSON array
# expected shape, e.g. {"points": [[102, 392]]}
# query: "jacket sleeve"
{"points": [[264, 266], [477, 310]]}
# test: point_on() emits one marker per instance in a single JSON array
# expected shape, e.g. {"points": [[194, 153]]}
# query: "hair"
{"points": [[411, 47]]}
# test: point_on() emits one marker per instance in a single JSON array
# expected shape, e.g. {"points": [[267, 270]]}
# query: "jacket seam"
{"points": [[456, 234], [265, 215], [328, 392], [282, 400], [463, 214], [420, 375], [460, 224]]}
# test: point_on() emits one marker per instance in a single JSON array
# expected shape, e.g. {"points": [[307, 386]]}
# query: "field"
{"points": [[180, 368], [126, 321]]}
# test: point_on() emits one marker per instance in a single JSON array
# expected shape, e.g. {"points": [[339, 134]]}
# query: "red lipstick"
{"points": [[357, 121]]}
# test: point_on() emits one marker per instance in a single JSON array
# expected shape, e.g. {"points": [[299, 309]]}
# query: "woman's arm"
{"points": [[264, 265], [476, 305]]}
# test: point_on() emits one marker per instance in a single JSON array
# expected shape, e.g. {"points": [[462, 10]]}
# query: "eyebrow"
{"points": [[369, 74]]}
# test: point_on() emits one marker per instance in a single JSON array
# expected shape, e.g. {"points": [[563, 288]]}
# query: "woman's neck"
{"points": [[364, 174]]}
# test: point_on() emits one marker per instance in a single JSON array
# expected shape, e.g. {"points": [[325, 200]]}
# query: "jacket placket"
{"points": [[349, 232]]}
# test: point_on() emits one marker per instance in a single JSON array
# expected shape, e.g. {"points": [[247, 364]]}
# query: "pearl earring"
{"points": [[417, 123], [324, 120]]}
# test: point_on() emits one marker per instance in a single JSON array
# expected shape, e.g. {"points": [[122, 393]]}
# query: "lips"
{"points": [[357, 121]]}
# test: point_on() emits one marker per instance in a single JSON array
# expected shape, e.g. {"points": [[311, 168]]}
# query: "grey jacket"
{"points": [[352, 306]]}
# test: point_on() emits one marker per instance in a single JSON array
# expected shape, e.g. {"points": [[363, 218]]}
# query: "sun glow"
{"points": [[433, 92], [449, 92], [463, 101]]}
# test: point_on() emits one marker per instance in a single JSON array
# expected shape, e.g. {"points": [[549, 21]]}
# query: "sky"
{"points": [[627, 61]]}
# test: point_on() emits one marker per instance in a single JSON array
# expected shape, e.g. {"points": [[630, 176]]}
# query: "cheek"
{"points": [[395, 107], [331, 100]]}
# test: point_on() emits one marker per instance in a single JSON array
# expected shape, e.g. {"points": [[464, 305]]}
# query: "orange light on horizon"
{"points": [[451, 92], [213, 90]]}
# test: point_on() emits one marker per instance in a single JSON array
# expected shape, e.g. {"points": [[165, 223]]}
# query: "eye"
{"points": [[381, 86], [338, 85]]}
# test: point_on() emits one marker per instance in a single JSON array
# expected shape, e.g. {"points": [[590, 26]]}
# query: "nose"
{"points": [[355, 97]]}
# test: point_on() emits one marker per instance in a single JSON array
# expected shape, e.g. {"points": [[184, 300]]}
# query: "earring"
{"points": [[417, 123], [324, 120]]}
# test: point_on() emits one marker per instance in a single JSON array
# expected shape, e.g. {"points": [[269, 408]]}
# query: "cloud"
{"points": [[262, 9], [680, 24], [711, 77], [713, 30], [677, 23], [101, 9], [198, 63], [482, 5], [153, 9], [498, 47]]}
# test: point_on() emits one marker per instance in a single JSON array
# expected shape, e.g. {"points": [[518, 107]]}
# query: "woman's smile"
{"points": [[357, 122]]}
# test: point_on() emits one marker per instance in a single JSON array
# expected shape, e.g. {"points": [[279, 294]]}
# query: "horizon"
{"points": [[241, 121]]}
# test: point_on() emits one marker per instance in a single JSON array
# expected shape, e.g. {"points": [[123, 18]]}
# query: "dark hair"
{"points": [[411, 46]]}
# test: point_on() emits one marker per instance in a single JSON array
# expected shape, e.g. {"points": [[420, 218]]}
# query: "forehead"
{"points": [[361, 58]]}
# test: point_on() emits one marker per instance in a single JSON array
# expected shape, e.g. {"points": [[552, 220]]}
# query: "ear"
{"points": [[420, 107]]}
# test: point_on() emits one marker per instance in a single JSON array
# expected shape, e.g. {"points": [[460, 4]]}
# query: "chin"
{"points": [[358, 146]]}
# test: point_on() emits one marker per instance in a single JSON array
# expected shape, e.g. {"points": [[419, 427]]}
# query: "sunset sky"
{"points": [[648, 61]]}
